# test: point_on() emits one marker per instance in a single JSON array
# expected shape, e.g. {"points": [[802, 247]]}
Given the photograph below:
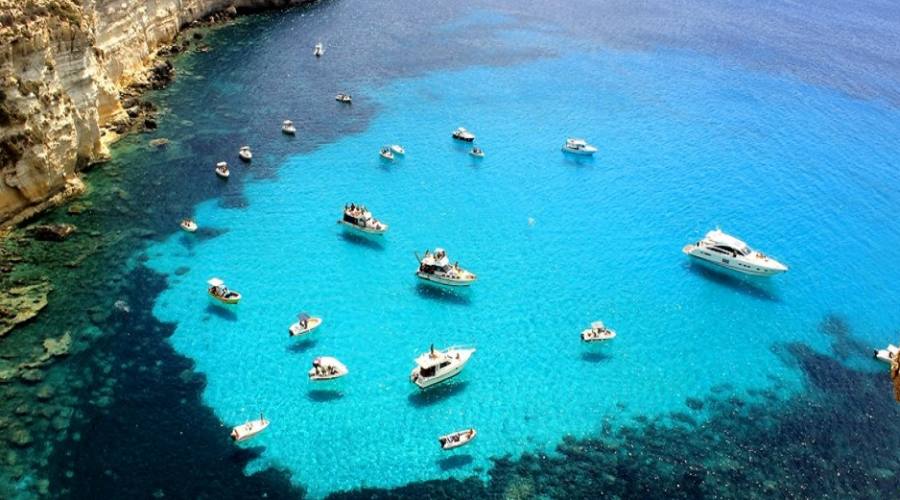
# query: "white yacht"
{"points": [[249, 429], [305, 324], [597, 332], [343, 98], [319, 49], [287, 127], [887, 354], [398, 149], [245, 153], [578, 147], [327, 368], [222, 170], [436, 267], [731, 253], [434, 367], [463, 135], [386, 153], [457, 439], [188, 225], [358, 217]]}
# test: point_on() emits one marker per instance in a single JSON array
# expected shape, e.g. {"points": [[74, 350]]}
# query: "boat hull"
{"points": [[246, 157], [444, 281], [464, 139], [227, 300], [580, 152], [189, 228], [423, 383], [731, 263], [366, 230], [586, 336], [221, 174]]}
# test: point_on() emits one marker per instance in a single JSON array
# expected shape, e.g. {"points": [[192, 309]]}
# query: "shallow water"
{"points": [[687, 143]]}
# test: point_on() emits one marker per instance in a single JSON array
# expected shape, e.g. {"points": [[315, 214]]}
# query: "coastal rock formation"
{"points": [[65, 70], [20, 304]]}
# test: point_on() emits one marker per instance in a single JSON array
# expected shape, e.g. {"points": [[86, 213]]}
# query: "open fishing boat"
{"points": [[305, 324], [222, 170], [220, 292], [597, 332], [249, 429], [457, 439], [327, 368]]}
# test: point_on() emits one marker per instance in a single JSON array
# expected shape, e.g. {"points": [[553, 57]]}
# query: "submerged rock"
{"points": [[20, 437], [22, 303], [58, 347], [53, 232]]}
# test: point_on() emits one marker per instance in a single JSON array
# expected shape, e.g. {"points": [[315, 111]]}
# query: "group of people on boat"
{"points": [[322, 370]]}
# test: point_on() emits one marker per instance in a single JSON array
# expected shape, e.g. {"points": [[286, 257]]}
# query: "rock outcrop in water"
{"points": [[66, 67]]}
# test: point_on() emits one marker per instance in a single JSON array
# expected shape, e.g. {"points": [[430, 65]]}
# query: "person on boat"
{"points": [[303, 323]]}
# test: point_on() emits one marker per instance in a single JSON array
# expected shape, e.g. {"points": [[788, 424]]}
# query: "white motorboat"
{"points": [[222, 170], [287, 127], [220, 292], [434, 367], [327, 368], [344, 98], [597, 332], [462, 134], [386, 153], [731, 253], [305, 324], [188, 225], [249, 429], [887, 354], [359, 218], [457, 439], [477, 152], [436, 267], [245, 153], [578, 147], [398, 149], [319, 50]]}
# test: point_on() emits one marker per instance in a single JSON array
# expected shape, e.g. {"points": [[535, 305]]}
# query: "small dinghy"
{"points": [[887, 354], [249, 429], [457, 439], [287, 127], [477, 152], [222, 170], [343, 98], [188, 225], [319, 50], [245, 153], [398, 149], [597, 332], [305, 324], [220, 292], [386, 153], [327, 368]]}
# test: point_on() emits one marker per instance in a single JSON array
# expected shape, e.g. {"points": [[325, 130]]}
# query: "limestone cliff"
{"points": [[63, 66]]}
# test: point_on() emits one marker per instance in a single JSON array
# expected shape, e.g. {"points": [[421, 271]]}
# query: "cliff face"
{"points": [[63, 64]]}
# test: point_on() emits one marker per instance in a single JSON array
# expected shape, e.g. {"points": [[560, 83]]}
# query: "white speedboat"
{"points": [[287, 127], [597, 332], [305, 324], [188, 225], [398, 149], [386, 153], [245, 153], [462, 134], [887, 354], [434, 367], [319, 49], [457, 439], [578, 147], [477, 152], [249, 429], [436, 267], [359, 218], [731, 253], [344, 98], [220, 292], [222, 170], [327, 368]]}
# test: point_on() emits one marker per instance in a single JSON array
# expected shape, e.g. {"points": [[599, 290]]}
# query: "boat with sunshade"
{"points": [[326, 368], [359, 218], [249, 429], [436, 267], [457, 439], [597, 332], [220, 292], [305, 325], [434, 367]]}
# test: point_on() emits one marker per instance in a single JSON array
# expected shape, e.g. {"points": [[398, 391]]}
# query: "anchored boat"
{"points": [[729, 252], [578, 147], [327, 368], [436, 267], [245, 153], [462, 134], [188, 225], [477, 152], [359, 218], [222, 170], [220, 292], [305, 324], [434, 367], [319, 50], [597, 332], [249, 429], [343, 98], [287, 127], [457, 439], [887, 354]]}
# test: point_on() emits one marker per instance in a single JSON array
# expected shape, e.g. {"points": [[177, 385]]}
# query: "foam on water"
{"points": [[685, 145]]}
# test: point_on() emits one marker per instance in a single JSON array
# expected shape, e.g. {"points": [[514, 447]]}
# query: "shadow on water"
{"points": [[360, 240], [441, 294], [595, 357], [455, 462], [433, 395], [578, 160], [744, 285], [324, 395], [243, 455], [302, 346], [221, 312]]}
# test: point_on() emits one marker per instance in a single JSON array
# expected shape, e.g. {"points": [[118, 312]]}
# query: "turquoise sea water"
{"points": [[686, 143]]}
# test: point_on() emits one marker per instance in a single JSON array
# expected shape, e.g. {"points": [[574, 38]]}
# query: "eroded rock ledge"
{"points": [[66, 67]]}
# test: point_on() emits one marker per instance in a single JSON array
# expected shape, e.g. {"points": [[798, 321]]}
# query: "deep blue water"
{"points": [[749, 133]]}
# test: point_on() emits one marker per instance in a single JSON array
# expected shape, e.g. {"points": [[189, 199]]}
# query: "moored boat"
{"points": [[386, 153], [287, 127], [327, 368], [319, 49], [245, 153], [457, 439], [434, 367], [220, 292], [731, 253], [359, 218], [222, 170], [305, 324], [597, 332], [345, 98], [887, 354], [461, 134], [578, 147], [477, 152], [249, 429], [188, 225], [436, 267], [398, 149]]}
